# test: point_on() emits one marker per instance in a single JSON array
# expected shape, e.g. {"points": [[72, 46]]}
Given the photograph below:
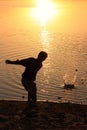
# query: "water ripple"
{"points": [[50, 78]]}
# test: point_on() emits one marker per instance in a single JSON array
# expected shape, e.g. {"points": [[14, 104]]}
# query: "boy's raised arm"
{"points": [[12, 62]]}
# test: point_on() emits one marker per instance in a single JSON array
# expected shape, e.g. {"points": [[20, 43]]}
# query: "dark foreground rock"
{"points": [[17, 115]]}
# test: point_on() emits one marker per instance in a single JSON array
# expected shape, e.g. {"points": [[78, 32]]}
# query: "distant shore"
{"points": [[42, 116]]}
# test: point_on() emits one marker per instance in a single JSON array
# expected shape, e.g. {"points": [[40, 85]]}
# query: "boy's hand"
{"points": [[7, 61]]}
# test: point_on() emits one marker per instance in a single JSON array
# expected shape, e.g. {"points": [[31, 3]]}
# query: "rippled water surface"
{"points": [[66, 62]]}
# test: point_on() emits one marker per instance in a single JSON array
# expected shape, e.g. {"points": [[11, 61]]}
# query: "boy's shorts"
{"points": [[30, 86]]}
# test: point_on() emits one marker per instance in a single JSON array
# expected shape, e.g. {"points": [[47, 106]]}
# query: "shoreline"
{"points": [[43, 115]]}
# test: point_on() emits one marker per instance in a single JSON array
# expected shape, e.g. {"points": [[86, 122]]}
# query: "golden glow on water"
{"points": [[45, 37], [44, 11], [62, 35]]}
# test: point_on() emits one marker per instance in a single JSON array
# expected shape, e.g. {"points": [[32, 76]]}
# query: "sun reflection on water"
{"points": [[45, 37], [44, 11]]}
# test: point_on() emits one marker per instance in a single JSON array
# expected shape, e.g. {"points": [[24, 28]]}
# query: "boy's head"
{"points": [[42, 55]]}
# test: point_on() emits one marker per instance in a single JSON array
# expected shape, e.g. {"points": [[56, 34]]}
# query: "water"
{"points": [[67, 52]]}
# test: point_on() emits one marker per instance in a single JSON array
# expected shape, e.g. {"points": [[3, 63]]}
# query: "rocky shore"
{"points": [[17, 115]]}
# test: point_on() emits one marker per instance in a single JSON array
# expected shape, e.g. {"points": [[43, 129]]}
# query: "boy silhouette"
{"points": [[32, 66]]}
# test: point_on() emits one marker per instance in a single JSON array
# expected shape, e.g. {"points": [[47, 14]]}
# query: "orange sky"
{"points": [[17, 3], [32, 2], [73, 13]]}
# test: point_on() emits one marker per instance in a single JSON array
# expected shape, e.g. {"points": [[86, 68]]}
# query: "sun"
{"points": [[44, 11]]}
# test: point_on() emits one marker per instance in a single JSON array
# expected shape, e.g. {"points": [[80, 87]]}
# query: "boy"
{"points": [[32, 66]]}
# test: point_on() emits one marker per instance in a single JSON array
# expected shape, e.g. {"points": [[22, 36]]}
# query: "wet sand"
{"points": [[42, 116]]}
